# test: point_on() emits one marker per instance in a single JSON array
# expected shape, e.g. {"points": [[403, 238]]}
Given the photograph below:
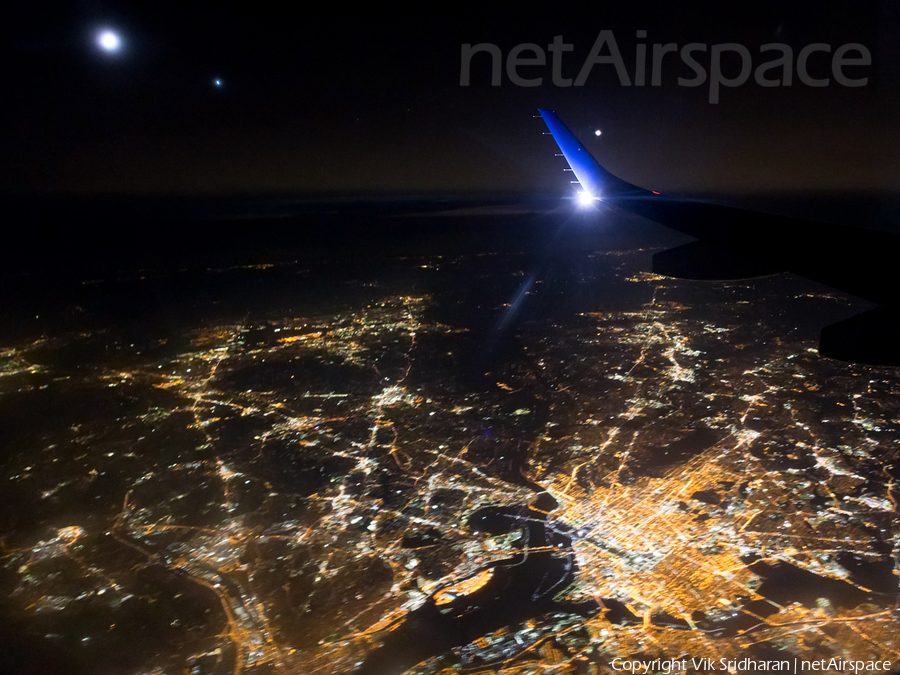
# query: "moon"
{"points": [[109, 41]]}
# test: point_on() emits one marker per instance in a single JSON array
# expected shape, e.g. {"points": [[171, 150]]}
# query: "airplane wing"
{"points": [[594, 179], [734, 243]]}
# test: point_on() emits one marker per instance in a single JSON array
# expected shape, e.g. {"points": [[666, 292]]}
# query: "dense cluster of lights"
{"points": [[306, 479]]}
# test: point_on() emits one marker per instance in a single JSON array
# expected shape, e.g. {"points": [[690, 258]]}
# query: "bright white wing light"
{"points": [[585, 198]]}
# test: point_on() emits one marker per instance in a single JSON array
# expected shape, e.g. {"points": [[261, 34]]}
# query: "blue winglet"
{"points": [[594, 179]]}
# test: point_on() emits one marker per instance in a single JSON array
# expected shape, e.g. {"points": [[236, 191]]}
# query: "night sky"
{"points": [[347, 101]]}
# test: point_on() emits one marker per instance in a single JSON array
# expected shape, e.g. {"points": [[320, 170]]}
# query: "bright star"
{"points": [[597, 133], [109, 41], [217, 82]]}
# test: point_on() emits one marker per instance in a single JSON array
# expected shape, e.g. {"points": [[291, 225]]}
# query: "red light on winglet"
{"points": [[654, 192]]}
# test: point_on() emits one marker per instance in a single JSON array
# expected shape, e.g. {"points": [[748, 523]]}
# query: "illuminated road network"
{"points": [[510, 473]]}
